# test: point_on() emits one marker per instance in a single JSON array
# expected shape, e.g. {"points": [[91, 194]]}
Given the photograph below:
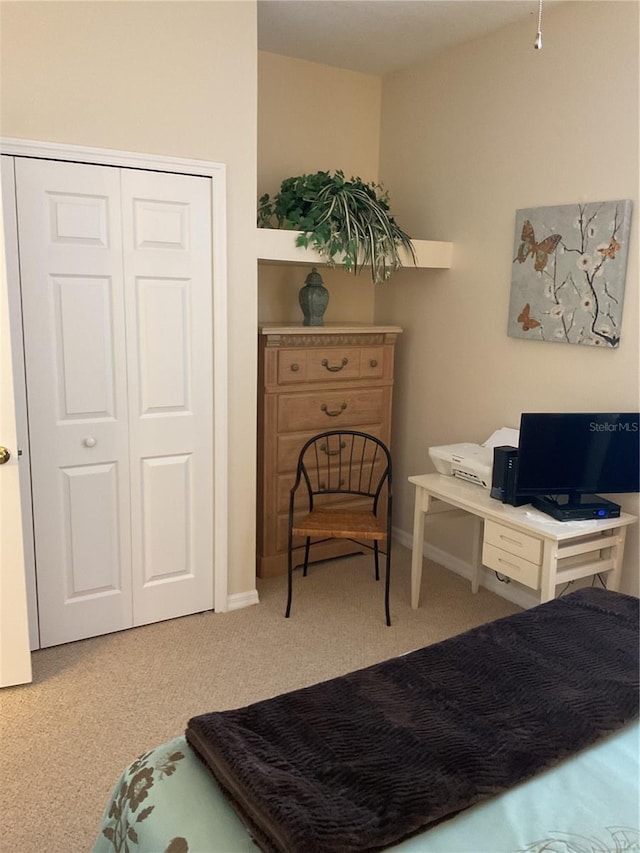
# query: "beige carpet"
{"points": [[97, 704]]}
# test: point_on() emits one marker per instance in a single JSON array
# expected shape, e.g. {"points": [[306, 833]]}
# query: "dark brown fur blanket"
{"points": [[360, 762]]}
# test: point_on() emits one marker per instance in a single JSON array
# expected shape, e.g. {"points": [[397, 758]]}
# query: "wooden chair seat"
{"points": [[343, 523]]}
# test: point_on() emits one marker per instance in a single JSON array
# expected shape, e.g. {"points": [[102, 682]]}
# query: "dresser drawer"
{"points": [[289, 446], [285, 484], [320, 410], [328, 477], [513, 541], [329, 364], [511, 565]]}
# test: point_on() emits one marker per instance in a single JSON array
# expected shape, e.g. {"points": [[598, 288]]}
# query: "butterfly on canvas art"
{"points": [[540, 251], [527, 321], [610, 250]]}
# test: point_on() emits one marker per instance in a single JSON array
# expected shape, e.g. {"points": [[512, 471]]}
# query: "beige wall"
{"points": [[488, 128], [172, 78], [314, 118]]}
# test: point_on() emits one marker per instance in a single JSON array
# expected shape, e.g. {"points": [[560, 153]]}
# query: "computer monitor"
{"points": [[569, 459]]}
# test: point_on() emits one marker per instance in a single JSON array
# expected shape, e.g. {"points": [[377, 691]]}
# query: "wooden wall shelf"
{"points": [[277, 245]]}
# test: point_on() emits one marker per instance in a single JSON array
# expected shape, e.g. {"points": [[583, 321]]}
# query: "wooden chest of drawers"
{"points": [[311, 380]]}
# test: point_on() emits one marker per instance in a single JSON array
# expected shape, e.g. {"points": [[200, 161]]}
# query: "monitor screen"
{"points": [[578, 453]]}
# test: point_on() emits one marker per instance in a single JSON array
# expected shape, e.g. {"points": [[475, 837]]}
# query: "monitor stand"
{"points": [[576, 507]]}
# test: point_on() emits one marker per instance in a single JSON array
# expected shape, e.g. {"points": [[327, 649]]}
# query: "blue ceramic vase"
{"points": [[313, 298]]}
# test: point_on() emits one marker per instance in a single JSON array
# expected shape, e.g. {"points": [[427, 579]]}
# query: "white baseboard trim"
{"points": [[513, 592], [242, 599]]}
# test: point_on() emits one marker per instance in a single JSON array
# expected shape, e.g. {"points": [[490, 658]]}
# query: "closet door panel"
{"points": [[166, 486], [167, 267], [164, 360], [85, 377], [69, 224], [90, 496]]}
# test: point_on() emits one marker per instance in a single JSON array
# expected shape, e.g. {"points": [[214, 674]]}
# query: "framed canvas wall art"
{"points": [[568, 273]]}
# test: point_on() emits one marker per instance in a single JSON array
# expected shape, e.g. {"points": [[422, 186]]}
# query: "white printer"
{"points": [[472, 462]]}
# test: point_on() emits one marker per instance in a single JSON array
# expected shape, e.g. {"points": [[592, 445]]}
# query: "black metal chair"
{"points": [[345, 475]]}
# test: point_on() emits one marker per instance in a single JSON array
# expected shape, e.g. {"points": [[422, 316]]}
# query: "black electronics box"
{"points": [[590, 506], [503, 478], [501, 456]]}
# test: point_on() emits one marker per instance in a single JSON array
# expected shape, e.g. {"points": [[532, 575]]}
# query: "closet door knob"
{"points": [[5, 455]]}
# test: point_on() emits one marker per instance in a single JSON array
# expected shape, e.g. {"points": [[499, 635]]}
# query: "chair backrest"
{"points": [[345, 462]]}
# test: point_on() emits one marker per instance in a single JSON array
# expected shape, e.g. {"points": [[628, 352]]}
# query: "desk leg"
{"points": [[617, 553], [548, 579], [478, 529], [421, 507]]}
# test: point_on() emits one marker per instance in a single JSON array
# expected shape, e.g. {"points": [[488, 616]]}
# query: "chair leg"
{"points": [[306, 556], [289, 579], [386, 582], [376, 552]]}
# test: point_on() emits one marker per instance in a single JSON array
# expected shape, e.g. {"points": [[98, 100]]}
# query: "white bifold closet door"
{"points": [[115, 269]]}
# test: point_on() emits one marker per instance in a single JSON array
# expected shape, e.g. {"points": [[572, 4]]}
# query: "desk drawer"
{"points": [[513, 541], [511, 565]]}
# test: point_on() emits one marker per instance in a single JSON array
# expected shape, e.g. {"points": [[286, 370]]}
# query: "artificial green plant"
{"points": [[343, 220]]}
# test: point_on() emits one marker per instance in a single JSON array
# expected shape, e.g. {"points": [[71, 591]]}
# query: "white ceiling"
{"points": [[380, 36]]}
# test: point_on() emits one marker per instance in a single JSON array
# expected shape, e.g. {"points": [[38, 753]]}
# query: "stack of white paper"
{"points": [[505, 436]]}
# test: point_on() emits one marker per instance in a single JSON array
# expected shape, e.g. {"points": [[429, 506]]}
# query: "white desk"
{"points": [[521, 543]]}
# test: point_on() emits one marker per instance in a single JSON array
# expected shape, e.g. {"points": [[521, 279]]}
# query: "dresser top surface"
{"points": [[327, 329]]}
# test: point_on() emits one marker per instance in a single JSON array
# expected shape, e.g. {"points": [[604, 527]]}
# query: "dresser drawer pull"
{"points": [[373, 362], [335, 414], [336, 367], [295, 367], [325, 449]]}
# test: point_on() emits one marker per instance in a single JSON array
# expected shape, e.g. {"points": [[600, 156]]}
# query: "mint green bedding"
{"points": [[167, 802]]}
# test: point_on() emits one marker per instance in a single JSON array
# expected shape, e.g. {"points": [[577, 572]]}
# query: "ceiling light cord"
{"points": [[538, 42]]}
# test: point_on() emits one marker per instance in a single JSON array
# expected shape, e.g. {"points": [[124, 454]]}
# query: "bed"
{"points": [[520, 735]]}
